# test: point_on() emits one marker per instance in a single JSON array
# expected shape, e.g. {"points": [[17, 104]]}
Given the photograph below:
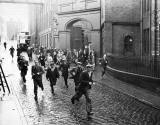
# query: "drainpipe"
{"points": [[155, 35], [101, 43]]}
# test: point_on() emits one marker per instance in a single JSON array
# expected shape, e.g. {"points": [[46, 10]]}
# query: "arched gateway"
{"points": [[77, 29], [80, 33]]}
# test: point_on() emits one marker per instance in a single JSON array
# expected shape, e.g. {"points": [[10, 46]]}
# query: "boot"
{"points": [[35, 98], [72, 100]]}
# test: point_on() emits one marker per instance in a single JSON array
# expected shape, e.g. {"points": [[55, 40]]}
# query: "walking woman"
{"points": [[52, 75]]}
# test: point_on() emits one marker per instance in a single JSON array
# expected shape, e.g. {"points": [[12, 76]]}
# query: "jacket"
{"points": [[37, 72], [52, 75], [84, 80]]}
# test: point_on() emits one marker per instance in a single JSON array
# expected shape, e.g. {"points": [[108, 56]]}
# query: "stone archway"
{"points": [[80, 33]]}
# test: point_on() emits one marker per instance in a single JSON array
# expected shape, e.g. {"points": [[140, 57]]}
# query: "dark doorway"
{"points": [[76, 38]]}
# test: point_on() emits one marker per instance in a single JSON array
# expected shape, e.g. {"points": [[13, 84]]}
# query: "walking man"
{"points": [[75, 74], [52, 75], [104, 63], [64, 68], [42, 60], [37, 72], [84, 88], [5, 45], [12, 51], [23, 63]]}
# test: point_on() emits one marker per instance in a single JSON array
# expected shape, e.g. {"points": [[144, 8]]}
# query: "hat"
{"points": [[89, 66], [52, 63], [35, 61], [79, 63]]}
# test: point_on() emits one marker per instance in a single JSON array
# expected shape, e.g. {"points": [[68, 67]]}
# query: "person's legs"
{"points": [[24, 78], [40, 84], [103, 71], [88, 102], [23, 74], [52, 88], [66, 81], [35, 89], [77, 96]]}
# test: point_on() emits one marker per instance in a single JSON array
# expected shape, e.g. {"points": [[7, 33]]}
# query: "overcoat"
{"points": [[52, 75]]}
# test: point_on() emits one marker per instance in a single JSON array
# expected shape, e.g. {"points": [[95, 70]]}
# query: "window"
{"points": [[128, 43], [145, 42]]}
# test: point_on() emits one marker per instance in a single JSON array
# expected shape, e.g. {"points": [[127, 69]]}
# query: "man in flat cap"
{"points": [[84, 88]]}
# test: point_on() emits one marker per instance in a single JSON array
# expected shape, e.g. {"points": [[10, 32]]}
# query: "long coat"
{"points": [[64, 68], [52, 75], [37, 72], [42, 60]]}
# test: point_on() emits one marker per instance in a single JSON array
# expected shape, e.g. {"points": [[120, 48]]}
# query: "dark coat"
{"points": [[37, 72], [22, 64], [11, 50], [23, 67], [84, 81], [76, 75], [103, 62], [64, 68], [55, 58], [52, 75], [42, 60]]}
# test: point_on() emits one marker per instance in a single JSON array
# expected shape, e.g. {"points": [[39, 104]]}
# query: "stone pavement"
{"points": [[110, 107], [10, 112], [132, 90]]}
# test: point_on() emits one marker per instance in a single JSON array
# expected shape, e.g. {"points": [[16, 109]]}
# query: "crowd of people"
{"points": [[56, 63]]}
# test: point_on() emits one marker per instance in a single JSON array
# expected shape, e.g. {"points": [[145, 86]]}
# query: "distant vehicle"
{"points": [[23, 40]]}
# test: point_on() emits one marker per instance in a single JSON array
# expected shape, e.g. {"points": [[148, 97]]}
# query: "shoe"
{"points": [[53, 93], [72, 100], [77, 100], [90, 113], [35, 98]]}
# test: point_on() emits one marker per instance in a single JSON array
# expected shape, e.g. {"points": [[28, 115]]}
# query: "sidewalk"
{"points": [[10, 111], [138, 93]]}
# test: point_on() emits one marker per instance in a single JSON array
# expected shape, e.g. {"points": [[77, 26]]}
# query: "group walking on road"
{"points": [[62, 63]]}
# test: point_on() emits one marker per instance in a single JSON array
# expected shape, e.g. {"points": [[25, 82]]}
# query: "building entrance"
{"points": [[80, 34]]}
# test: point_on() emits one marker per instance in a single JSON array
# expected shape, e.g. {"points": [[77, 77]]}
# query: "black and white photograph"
{"points": [[79, 62]]}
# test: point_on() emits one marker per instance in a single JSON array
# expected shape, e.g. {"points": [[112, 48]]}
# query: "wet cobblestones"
{"points": [[110, 107]]}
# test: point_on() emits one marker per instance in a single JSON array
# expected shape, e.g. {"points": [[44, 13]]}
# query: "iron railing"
{"points": [[137, 65]]}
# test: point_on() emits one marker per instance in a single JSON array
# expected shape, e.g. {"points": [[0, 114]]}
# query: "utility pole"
{"points": [[155, 35]]}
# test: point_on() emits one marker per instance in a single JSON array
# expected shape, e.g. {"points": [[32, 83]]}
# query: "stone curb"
{"points": [[136, 92]]}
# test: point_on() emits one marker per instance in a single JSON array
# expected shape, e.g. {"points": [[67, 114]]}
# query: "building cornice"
{"points": [[124, 23], [79, 11]]}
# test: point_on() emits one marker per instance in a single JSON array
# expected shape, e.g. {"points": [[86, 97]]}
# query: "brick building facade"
{"points": [[129, 36]]}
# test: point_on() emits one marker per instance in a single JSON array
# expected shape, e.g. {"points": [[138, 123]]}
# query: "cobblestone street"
{"points": [[108, 49], [110, 107]]}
